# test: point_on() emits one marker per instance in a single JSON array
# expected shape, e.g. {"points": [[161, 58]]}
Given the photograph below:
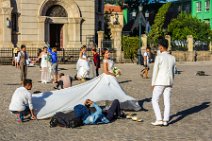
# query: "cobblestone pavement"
{"points": [[191, 109]]}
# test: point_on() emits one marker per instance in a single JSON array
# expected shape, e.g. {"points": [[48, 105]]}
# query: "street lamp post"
{"points": [[140, 8], [147, 24]]}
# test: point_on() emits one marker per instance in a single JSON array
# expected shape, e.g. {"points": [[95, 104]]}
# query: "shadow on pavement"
{"points": [[141, 103], [182, 114], [14, 84], [126, 81], [40, 101]]}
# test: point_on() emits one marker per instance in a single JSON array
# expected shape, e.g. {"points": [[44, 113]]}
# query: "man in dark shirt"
{"points": [[96, 60]]}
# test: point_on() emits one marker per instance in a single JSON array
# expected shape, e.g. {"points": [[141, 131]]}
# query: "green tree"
{"points": [[185, 25], [157, 27], [130, 47]]}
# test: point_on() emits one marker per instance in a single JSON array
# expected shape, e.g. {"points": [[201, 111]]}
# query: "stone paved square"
{"points": [[190, 109]]}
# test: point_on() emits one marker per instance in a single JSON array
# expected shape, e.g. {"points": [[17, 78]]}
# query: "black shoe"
{"points": [[56, 88], [122, 115]]}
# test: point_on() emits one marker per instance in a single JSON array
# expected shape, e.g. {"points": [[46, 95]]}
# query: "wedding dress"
{"points": [[104, 87], [82, 67], [46, 69]]}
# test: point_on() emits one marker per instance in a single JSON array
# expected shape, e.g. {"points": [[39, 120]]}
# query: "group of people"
{"points": [[162, 82]]}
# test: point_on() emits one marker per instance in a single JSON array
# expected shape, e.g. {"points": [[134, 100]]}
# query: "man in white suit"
{"points": [[162, 81]]}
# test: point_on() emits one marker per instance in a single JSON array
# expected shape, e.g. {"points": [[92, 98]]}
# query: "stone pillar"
{"points": [[74, 33], [210, 46], [100, 38], [190, 46], [116, 31], [42, 31], [144, 41], [190, 42], [6, 33], [168, 37]]}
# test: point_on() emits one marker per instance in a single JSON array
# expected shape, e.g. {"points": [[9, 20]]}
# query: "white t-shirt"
{"points": [[20, 99], [147, 58]]}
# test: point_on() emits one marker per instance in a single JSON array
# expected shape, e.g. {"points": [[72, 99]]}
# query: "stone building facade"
{"points": [[61, 23]]}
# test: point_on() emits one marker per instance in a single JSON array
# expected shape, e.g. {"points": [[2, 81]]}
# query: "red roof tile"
{"points": [[112, 8]]}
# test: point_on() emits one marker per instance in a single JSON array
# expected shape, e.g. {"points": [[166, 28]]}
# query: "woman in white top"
{"points": [[82, 64], [108, 64], [45, 66]]}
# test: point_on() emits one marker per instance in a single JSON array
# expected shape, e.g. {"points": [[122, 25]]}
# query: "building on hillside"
{"points": [[202, 9], [61, 23]]}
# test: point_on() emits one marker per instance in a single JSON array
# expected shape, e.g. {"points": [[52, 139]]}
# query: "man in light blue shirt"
{"points": [[99, 117]]}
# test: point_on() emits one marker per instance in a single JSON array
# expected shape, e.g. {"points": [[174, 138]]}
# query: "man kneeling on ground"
{"points": [[99, 116], [21, 102]]}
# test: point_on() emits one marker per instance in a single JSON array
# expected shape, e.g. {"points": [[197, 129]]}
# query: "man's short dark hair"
{"points": [[27, 81], [163, 42], [23, 46]]}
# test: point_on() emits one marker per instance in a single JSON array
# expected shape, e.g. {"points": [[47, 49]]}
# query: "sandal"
{"points": [[129, 116], [135, 118]]}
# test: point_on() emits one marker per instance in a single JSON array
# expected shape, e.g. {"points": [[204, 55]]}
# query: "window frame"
{"points": [[207, 5], [198, 6]]}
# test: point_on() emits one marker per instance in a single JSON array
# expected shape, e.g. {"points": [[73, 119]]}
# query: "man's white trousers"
{"points": [[157, 92]]}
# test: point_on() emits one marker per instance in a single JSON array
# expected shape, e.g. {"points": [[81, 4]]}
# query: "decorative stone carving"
{"points": [[70, 7], [6, 3], [56, 11], [6, 11]]}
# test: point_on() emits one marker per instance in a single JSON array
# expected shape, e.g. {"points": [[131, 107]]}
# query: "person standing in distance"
{"points": [[22, 62], [162, 82]]}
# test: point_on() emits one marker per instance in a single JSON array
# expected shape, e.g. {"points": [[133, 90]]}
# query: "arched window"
{"points": [[56, 11]]}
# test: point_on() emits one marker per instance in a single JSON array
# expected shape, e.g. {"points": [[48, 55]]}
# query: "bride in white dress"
{"points": [[108, 64], [82, 66], [103, 87], [45, 66]]}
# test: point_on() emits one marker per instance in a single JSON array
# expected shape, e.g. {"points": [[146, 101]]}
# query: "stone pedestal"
{"points": [[116, 31], [100, 38], [5, 32], [144, 41], [168, 37], [190, 42]]}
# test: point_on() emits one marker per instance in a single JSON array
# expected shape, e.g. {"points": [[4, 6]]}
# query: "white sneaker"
{"points": [[165, 123], [157, 123]]}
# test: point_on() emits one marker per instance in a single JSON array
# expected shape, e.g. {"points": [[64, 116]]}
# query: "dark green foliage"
{"points": [[116, 2], [157, 27], [185, 25], [130, 47], [107, 30]]}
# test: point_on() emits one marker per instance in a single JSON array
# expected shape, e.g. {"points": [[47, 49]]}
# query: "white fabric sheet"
{"points": [[104, 87]]}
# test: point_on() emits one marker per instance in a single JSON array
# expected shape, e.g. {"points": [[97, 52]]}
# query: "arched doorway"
{"points": [[55, 35], [60, 23]]}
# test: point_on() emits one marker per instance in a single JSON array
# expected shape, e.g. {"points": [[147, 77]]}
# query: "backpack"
{"points": [[67, 120]]}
